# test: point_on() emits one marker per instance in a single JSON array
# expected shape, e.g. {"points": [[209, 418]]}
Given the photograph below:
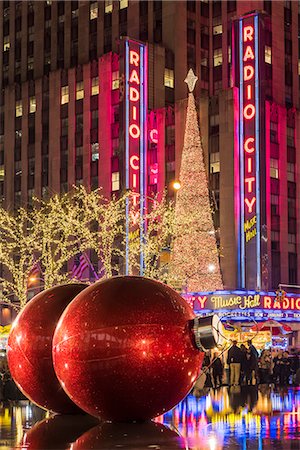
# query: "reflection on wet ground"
{"points": [[240, 418]]}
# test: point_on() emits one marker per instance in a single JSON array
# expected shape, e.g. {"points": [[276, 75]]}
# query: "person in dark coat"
{"points": [[286, 369], [254, 359], [235, 356], [243, 364], [217, 371], [250, 368], [277, 371]]}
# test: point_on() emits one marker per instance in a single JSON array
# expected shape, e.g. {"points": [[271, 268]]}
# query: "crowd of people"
{"points": [[245, 365]]}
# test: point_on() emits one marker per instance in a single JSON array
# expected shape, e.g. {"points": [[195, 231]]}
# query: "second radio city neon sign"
{"points": [[249, 117]]}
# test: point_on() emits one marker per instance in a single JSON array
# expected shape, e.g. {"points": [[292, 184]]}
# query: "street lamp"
{"points": [[211, 268], [176, 185]]}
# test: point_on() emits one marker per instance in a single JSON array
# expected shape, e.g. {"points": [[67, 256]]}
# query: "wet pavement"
{"points": [[244, 418]]}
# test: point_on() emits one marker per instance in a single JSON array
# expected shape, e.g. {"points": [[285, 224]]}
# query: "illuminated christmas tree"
{"points": [[195, 261]]}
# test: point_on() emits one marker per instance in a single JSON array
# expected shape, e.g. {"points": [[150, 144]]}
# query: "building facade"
{"points": [[62, 118]]}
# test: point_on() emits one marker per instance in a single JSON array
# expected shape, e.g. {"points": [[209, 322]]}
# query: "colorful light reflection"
{"points": [[225, 418]]}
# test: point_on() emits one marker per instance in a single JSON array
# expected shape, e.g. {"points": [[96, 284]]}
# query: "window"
{"points": [[94, 119], [290, 137], [64, 126], [214, 162], [229, 54], [115, 181], [95, 151], [292, 243], [108, 6], [32, 105], [217, 29], [290, 171], [115, 80], [274, 171], [79, 90], [2, 173], [275, 205], [218, 58], [169, 78], [95, 86], [268, 54], [19, 108], [6, 43], [64, 95], [93, 11], [214, 120], [74, 13], [123, 4], [273, 131], [291, 207]]}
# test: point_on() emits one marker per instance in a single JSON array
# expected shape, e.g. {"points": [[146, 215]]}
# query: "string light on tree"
{"points": [[194, 260]]}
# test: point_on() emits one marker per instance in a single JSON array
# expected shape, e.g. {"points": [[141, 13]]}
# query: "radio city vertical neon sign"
{"points": [[249, 152], [135, 63]]}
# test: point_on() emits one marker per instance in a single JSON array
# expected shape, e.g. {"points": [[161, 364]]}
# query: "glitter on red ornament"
{"points": [[29, 350], [123, 350]]}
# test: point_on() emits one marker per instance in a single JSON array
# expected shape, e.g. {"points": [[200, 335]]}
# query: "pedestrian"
{"points": [[278, 371], [235, 356], [295, 363], [265, 367], [254, 357], [243, 364], [286, 369], [207, 369], [217, 370], [250, 368]]}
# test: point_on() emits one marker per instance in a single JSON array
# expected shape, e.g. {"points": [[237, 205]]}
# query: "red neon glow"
{"points": [[134, 58], [290, 303], [154, 136], [134, 112], [135, 196], [250, 204], [134, 131], [248, 53], [134, 78], [249, 111], [250, 181], [247, 143], [249, 165], [134, 94], [248, 33], [249, 92], [134, 180], [248, 73], [135, 166]]}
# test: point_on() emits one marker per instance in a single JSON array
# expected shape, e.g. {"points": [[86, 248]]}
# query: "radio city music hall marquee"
{"points": [[246, 304]]}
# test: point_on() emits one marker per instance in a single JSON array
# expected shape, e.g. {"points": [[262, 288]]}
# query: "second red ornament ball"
{"points": [[123, 349]]}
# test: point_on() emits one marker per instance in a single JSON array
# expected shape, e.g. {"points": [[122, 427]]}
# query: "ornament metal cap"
{"points": [[207, 332]]}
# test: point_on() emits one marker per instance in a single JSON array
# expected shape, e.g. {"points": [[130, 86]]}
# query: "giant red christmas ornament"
{"points": [[29, 348], [123, 349]]}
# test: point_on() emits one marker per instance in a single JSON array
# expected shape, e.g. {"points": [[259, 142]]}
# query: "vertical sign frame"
{"points": [[133, 66]]}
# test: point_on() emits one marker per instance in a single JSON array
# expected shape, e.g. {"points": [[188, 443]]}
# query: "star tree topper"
{"points": [[191, 80]]}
